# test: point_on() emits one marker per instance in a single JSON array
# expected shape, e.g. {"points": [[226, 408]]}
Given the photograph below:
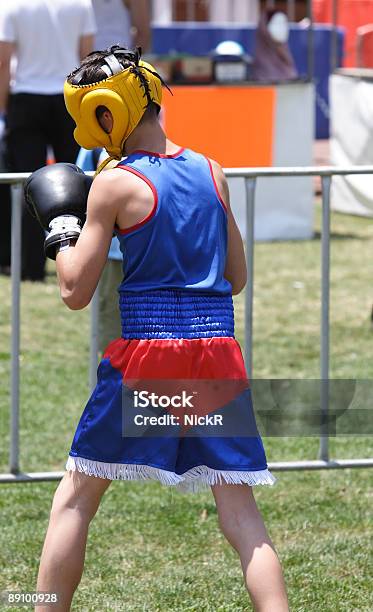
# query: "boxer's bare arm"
{"points": [[79, 268], [235, 268]]}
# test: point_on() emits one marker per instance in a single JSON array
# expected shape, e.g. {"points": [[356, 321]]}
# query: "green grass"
{"points": [[152, 549]]}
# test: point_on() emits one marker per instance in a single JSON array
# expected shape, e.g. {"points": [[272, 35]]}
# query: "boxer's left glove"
{"points": [[57, 196]]}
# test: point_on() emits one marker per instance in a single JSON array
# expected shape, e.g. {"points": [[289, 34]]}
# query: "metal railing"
{"points": [[250, 175]]}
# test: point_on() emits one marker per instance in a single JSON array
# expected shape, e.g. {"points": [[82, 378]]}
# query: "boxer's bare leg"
{"points": [[75, 503], [242, 525]]}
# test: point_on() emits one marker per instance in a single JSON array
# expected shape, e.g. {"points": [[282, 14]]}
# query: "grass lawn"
{"points": [[153, 549]]}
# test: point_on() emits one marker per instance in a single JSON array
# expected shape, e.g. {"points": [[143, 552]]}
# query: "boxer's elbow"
{"points": [[74, 298], [238, 286], [74, 302], [73, 287], [235, 270], [237, 279]]}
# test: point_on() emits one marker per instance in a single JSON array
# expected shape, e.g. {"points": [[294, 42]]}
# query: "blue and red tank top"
{"points": [[174, 259]]}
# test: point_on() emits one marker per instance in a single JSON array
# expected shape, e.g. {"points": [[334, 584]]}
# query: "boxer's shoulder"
{"points": [[112, 184], [113, 187]]}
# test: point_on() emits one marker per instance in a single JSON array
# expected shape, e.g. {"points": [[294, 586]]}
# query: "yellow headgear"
{"points": [[122, 93]]}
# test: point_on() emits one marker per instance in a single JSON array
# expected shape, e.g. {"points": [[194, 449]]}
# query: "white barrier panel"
{"points": [[284, 207], [351, 95]]}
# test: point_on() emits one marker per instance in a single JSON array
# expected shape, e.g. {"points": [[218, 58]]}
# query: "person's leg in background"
{"points": [[243, 526], [5, 229], [109, 326], [61, 132], [27, 150], [5, 212]]}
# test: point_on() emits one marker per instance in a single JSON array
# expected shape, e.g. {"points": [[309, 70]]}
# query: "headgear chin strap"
{"points": [[124, 93]]}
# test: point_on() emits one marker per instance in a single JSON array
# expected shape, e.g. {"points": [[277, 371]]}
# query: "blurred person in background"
{"points": [[123, 22], [48, 38], [5, 209], [272, 59]]}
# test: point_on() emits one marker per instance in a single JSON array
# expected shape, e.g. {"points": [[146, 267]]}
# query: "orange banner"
{"points": [[232, 124]]}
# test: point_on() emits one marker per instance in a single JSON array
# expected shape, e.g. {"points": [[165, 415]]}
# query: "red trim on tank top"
{"points": [[216, 187], [154, 154], [127, 230]]}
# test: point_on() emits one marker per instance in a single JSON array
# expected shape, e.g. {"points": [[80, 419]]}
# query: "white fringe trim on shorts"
{"points": [[201, 477], [192, 481]]}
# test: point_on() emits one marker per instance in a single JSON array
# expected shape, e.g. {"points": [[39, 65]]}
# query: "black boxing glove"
{"points": [[57, 196]]}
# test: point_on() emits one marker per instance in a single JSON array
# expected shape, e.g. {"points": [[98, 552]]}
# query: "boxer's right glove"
{"points": [[57, 196]]}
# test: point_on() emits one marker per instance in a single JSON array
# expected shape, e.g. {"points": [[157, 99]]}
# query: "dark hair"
{"points": [[90, 70]]}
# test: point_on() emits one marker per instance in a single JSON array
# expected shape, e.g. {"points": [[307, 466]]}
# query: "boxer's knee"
{"points": [[80, 493]]}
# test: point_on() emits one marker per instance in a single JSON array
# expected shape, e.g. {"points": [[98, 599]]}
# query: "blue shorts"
{"points": [[189, 458]]}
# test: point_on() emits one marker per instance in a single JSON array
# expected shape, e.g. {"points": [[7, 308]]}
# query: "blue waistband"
{"points": [[168, 313]]}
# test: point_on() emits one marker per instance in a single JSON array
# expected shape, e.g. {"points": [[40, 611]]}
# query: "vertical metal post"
{"points": [[334, 38], [93, 347], [16, 191], [250, 184], [310, 43], [359, 52], [325, 299], [290, 10]]}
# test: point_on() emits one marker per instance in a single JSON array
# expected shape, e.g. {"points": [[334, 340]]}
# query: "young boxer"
{"points": [[183, 258]]}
